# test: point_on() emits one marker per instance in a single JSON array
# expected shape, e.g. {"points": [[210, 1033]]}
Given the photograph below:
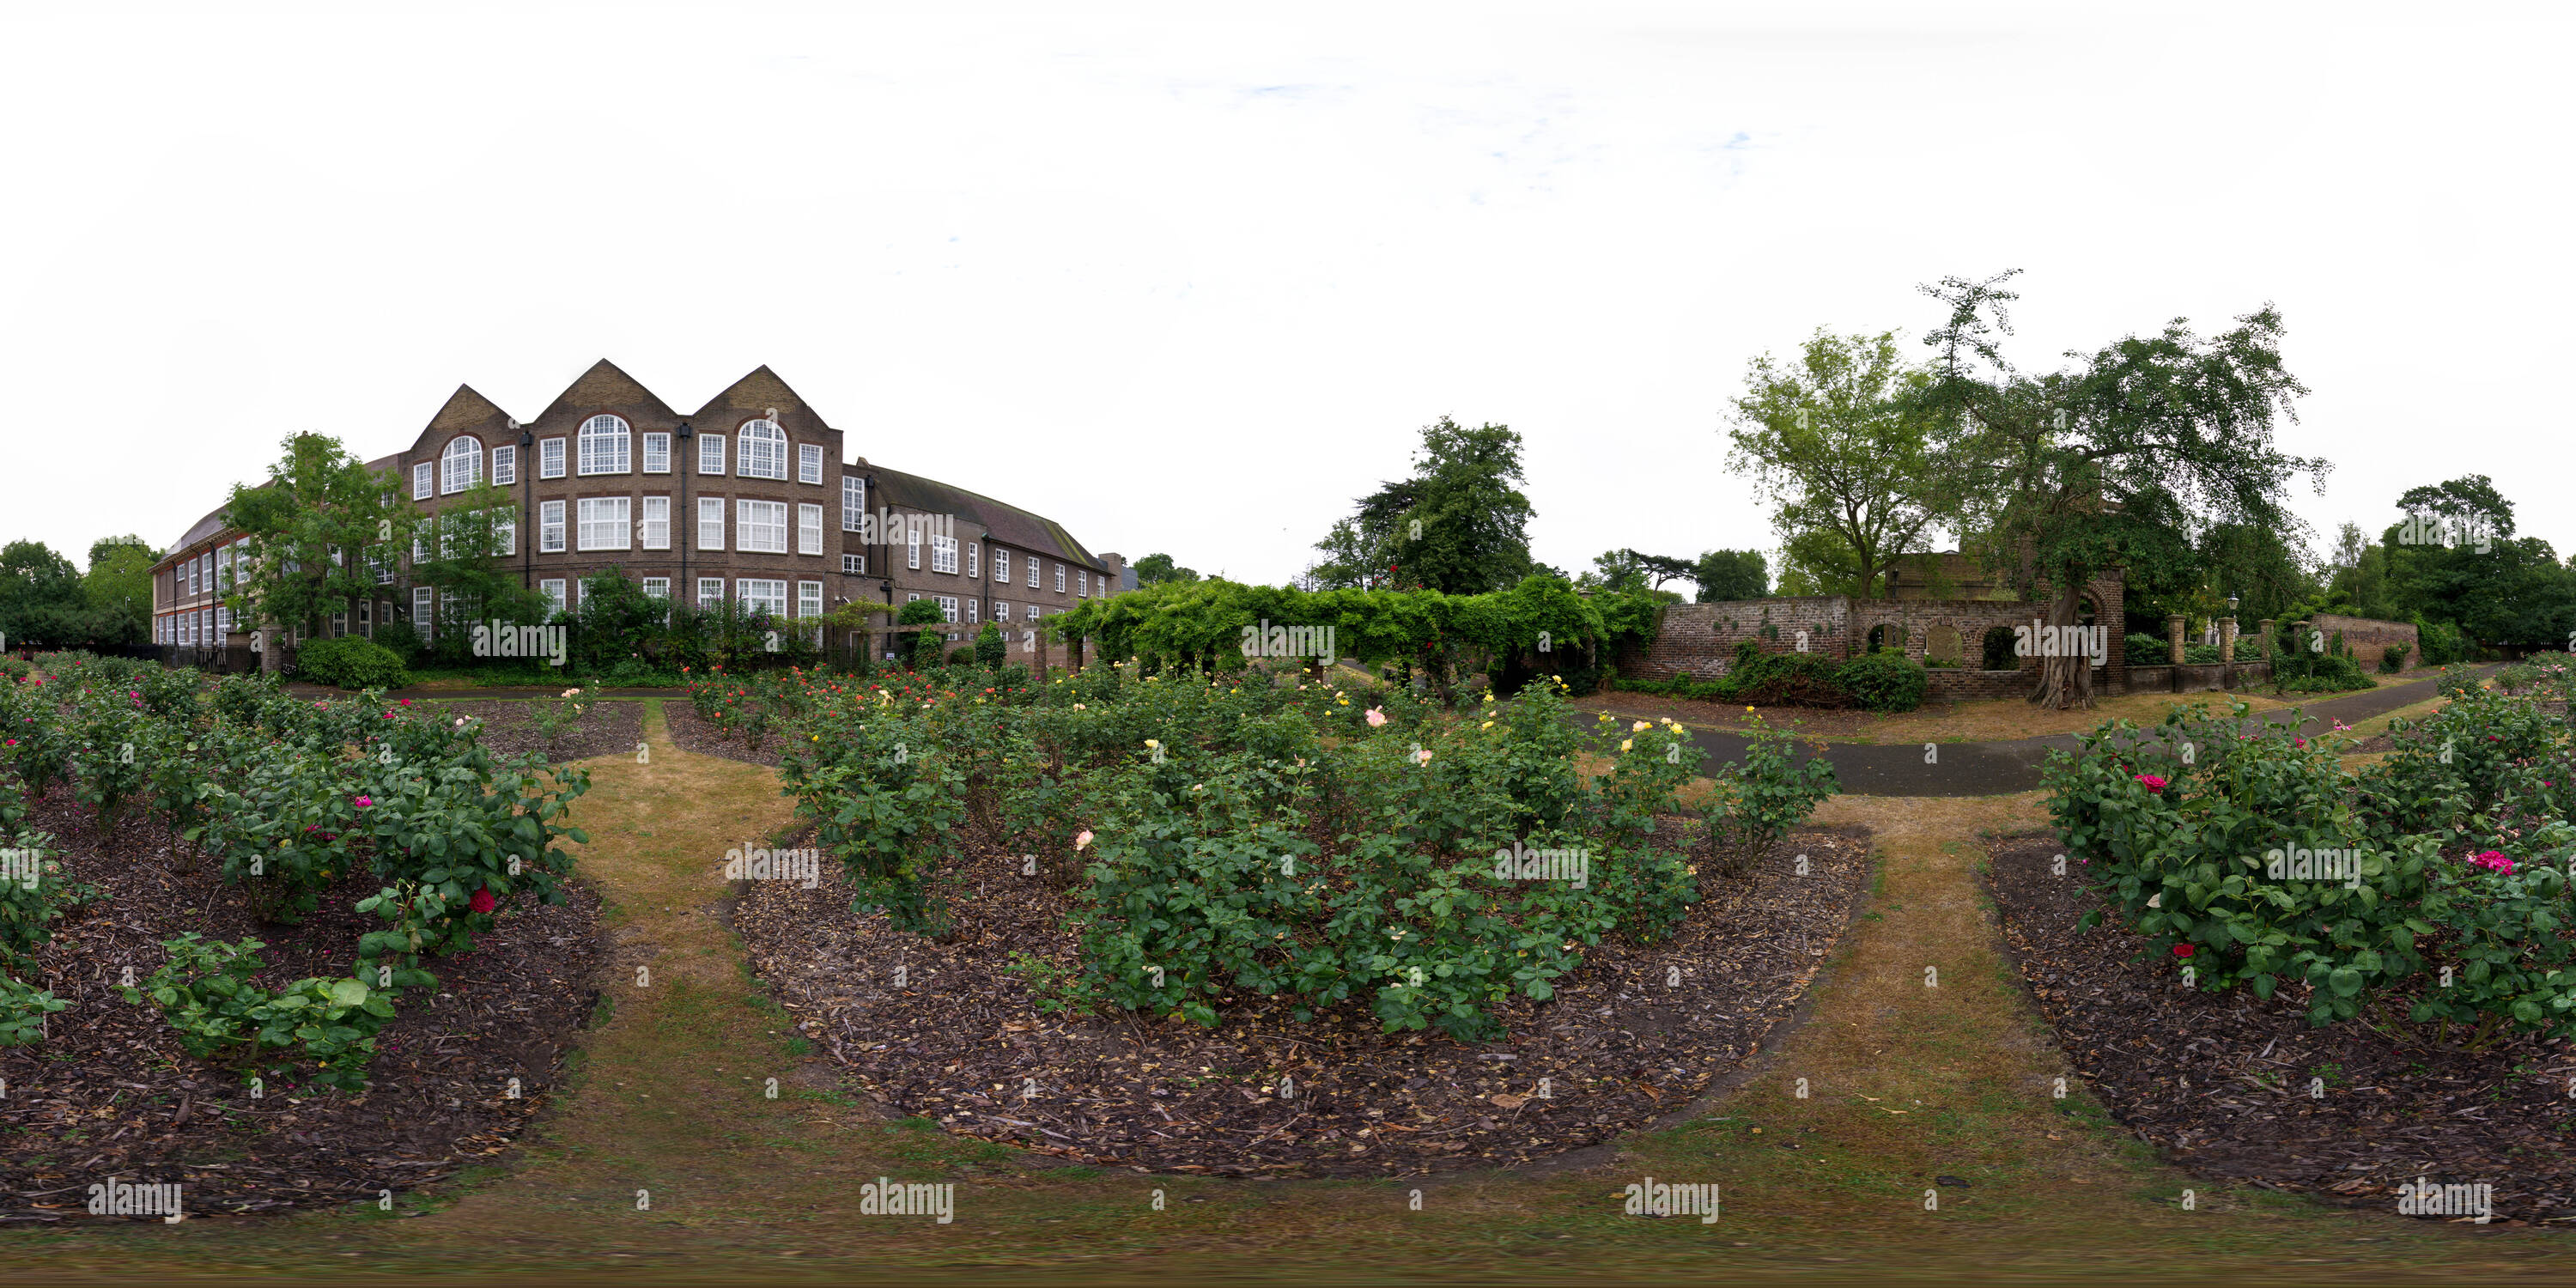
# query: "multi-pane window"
{"points": [[854, 503], [656, 533], [224, 568], [1001, 610], [1032, 562], [424, 481], [1059, 579], [760, 527], [460, 466], [505, 465], [605, 442], [224, 620], [943, 554], [809, 599], [1001, 565], [553, 587], [550, 527], [711, 524], [710, 591], [505, 531], [809, 529], [657, 453], [711, 448], [604, 523], [973, 568], [948, 607], [809, 463], [761, 595], [421, 603], [912, 546], [657, 587], [550, 459], [763, 454], [971, 605]]}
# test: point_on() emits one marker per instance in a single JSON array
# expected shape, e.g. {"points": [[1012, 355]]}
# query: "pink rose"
{"points": [[1376, 717], [366, 801], [1084, 839], [2155, 783]]}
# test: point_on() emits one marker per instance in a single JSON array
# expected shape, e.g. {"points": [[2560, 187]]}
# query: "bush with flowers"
{"points": [[2456, 907]]}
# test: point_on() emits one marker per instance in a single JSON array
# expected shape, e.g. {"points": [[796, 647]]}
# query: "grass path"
{"points": [[1906, 1083]]}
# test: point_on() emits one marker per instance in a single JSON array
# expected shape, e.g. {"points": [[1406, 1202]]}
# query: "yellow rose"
{"points": [[1626, 744]]}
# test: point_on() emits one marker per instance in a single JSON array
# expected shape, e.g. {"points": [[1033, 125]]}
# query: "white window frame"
{"points": [[854, 503], [505, 465], [460, 465], [657, 453], [424, 610], [1002, 565], [809, 528], [553, 588], [550, 458], [972, 604], [711, 454], [607, 445], [1059, 579], [550, 527], [711, 523], [754, 594], [1033, 562], [943, 554], [505, 530], [710, 591], [1001, 610], [424, 480], [607, 523], [974, 564], [653, 530], [809, 463], [854, 565], [912, 543], [754, 457], [809, 599], [757, 524], [948, 607], [658, 587]]}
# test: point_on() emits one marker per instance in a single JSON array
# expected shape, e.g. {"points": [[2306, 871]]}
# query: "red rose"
{"points": [[2184, 950], [483, 901]]}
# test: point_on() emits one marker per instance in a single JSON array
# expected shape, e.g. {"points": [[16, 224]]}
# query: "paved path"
{"points": [[1993, 768]]}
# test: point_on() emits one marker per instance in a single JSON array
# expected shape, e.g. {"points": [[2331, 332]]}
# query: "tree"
{"points": [[117, 590], [40, 596], [2471, 572], [1840, 445], [1155, 569], [1731, 574], [1457, 525], [318, 531], [2113, 462], [464, 552]]}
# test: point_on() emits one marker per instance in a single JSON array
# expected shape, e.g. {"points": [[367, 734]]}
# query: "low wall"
{"points": [[2199, 677], [1952, 684], [2369, 638]]}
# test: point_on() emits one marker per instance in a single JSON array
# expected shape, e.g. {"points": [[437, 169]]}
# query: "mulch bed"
{"points": [[605, 728], [704, 738], [2221, 1081], [111, 1095], [959, 1043]]}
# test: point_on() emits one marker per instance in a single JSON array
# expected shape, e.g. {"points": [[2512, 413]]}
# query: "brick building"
{"points": [[752, 497]]}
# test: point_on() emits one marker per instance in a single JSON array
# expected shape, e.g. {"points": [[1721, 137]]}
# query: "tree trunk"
{"points": [[2065, 675]]}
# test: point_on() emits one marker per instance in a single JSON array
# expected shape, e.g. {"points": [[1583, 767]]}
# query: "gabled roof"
{"points": [[468, 409], [605, 386], [760, 389], [1009, 525]]}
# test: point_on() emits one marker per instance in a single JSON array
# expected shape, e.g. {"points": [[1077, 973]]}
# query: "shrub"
{"points": [[29, 904], [962, 655], [205, 992], [1886, 681], [921, 612], [23, 1009], [551, 717], [2394, 659], [926, 649], [401, 640], [2333, 673], [2442, 644], [990, 648], [349, 662], [2143, 649], [1759, 798]]}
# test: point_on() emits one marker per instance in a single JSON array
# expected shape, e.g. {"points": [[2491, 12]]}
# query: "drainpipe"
{"points": [[683, 520], [527, 506]]}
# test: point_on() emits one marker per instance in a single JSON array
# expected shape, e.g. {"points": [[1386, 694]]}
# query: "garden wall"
{"points": [[2199, 678], [2369, 638]]}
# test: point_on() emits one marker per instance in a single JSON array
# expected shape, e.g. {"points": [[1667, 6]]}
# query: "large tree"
{"points": [[1155, 569], [2114, 461], [1460, 524], [1838, 444], [2470, 571], [118, 590], [318, 529], [40, 597], [1725, 575]]}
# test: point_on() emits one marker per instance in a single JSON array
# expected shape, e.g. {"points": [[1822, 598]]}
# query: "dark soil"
{"points": [[605, 728], [961, 1041], [2222, 1081], [110, 1094], [694, 734]]}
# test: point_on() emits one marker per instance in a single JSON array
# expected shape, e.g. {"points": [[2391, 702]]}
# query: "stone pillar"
{"points": [[2173, 636], [2227, 639], [2263, 643]]}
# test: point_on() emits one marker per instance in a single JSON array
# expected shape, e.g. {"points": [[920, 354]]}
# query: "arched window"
{"points": [[461, 465], [761, 451], [605, 445]]}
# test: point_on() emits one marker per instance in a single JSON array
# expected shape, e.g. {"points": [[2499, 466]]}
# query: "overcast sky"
{"points": [[1188, 278]]}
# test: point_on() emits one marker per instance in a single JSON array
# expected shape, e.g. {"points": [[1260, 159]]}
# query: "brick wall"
{"points": [[1697, 640], [2369, 638]]}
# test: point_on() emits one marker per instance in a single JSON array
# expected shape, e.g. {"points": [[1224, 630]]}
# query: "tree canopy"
{"points": [[1459, 524]]}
